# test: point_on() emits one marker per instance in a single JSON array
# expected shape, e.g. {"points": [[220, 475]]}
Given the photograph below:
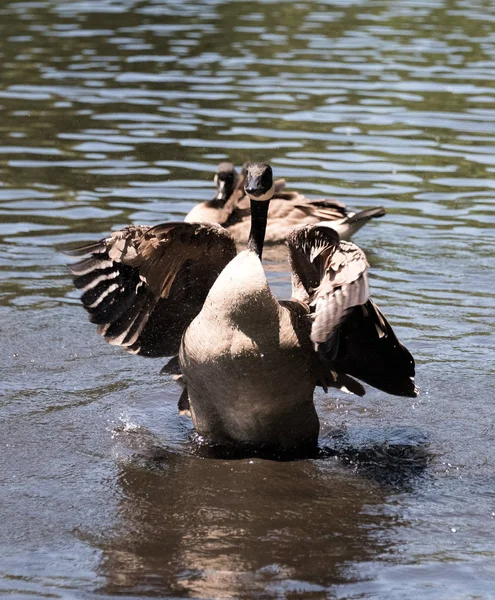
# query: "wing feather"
{"points": [[369, 350], [142, 286], [350, 334], [329, 273]]}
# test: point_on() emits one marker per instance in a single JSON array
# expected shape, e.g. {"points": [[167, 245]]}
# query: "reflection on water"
{"points": [[176, 533], [118, 111]]}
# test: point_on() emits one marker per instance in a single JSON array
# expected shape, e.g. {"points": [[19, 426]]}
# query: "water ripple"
{"points": [[118, 111]]}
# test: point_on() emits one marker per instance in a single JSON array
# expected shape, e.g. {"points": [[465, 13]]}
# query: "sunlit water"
{"points": [[118, 111]]}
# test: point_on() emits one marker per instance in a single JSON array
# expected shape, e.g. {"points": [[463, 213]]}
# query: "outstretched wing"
{"points": [[350, 334], [329, 275], [369, 350], [142, 286]]}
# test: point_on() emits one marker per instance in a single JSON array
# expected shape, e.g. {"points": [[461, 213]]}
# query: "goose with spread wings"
{"points": [[231, 208], [250, 363]]}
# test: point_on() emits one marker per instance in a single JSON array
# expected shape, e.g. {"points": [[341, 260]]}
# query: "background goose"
{"points": [[225, 201], [291, 209], [231, 208], [250, 362]]}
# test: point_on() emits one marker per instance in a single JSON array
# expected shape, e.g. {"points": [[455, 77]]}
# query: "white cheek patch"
{"points": [[266, 196], [220, 188]]}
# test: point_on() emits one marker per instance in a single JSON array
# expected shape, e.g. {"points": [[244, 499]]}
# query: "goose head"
{"points": [[225, 179], [259, 184], [260, 188]]}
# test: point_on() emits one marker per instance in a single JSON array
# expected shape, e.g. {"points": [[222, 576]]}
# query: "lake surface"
{"points": [[117, 112]]}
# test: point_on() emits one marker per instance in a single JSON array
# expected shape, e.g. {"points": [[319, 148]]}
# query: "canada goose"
{"points": [[219, 209], [231, 208], [250, 362]]}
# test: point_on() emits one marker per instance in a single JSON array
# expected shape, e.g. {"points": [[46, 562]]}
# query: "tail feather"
{"points": [[348, 227], [365, 215]]}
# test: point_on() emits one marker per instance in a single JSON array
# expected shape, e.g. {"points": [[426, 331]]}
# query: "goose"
{"points": [[250, 363], [290, 209], [231, 208], [219, 209]]}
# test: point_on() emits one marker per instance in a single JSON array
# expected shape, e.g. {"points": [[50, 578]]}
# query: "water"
{"points": [[118, 111]]}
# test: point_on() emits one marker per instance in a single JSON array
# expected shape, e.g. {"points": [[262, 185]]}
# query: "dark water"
{"points": [[118, 111]]}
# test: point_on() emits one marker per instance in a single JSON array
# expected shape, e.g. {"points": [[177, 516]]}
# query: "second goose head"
{"points": [[260, 188], [226, 179]]}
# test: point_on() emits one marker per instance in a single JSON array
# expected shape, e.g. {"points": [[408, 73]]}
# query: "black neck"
{"points": [[259, 214], [217, 202]]}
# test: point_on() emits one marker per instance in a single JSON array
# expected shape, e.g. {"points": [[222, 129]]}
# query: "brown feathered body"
{"points": [[247, 363], [288, 209]]}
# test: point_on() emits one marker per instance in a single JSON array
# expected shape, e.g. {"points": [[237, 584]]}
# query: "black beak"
{"points": [[253, 187]]}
